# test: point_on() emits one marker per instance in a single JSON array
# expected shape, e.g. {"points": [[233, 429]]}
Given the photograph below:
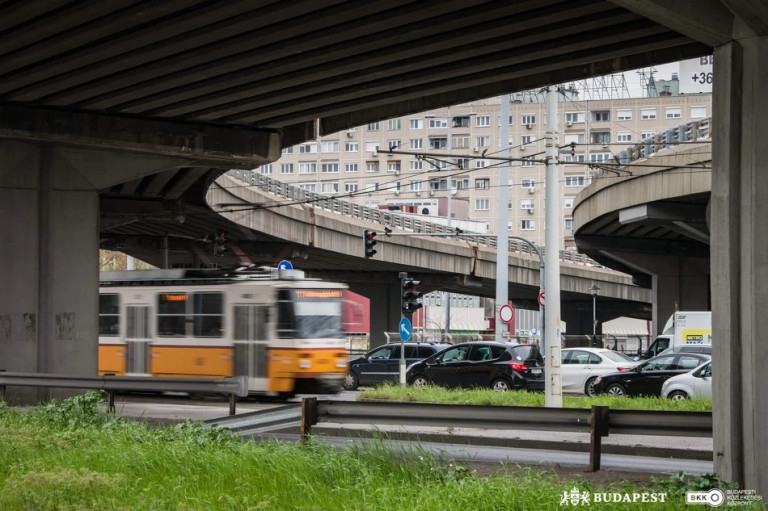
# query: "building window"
{"points": [[351, 147], [648, 113], [372, 166], [460, 143], [624, 136], [329, 168], [307, 148], [307, 168], [461, 121], [600, 137], [438, 142], [435, 122], [372, 147], [528, 183], [527, 161], [527, 139], [394, 143], [528, 120], [415, 186], [568, 226], [577, 138], [601, 116], [600, 157], [527, 204], [330, 188], [393, 166], [647, 134], [482, 204], [416, 165], [624, 115], [483, 141], [351, 187], [416, 124], [568, 203], [330, 147], [265, 169], [482, 183], [393, 124], [575, 158], [462, 163], [287, 150], [527, 225], [481, 164], [416, 143], [674, 112], [574, 181], [461, 184], [374, 126], [286, 168], [350, 166], [483, 121], [698, 112], [573, 117], [309, 187]]}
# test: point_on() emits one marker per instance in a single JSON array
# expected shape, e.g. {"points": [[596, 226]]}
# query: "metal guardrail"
{"points": [[694, 131], [234, 387], [599, 421], [387, 218], [261, 421]]}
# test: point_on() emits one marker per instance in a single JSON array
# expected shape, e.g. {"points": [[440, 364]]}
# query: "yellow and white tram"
{"points": [[281, 330]]}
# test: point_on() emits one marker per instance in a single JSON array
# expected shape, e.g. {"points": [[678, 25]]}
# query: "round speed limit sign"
{"points": [[506, 313]]}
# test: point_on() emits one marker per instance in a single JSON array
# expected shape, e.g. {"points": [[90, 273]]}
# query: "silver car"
{"points": [[693, 384]]}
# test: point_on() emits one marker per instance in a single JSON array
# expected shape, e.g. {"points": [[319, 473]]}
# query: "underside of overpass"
{"points": [[97, 97]]}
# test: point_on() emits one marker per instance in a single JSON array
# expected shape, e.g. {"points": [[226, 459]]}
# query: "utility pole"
{"points": [[502, 229], [553, 397]]}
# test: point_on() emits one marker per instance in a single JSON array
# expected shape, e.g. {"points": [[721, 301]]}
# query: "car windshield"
{"points": [[616, 356]]}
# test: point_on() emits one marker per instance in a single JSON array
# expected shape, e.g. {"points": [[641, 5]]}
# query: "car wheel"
{"points": [[616, 389], [589, 387], [350, 381], [500, 385], [419, 381], [677, 395]]}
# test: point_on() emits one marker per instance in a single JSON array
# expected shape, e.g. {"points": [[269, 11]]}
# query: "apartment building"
{"points": [[455, 148]]}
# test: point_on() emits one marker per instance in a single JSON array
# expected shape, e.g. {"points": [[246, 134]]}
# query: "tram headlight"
{"points": [[305, 364], [342, 364]]}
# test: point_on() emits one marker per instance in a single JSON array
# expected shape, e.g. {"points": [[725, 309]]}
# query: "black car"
{"points": [[382, 364], [499, 366], [648, 377]]}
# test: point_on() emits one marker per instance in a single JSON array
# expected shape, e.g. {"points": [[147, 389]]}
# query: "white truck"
{"points": [[683, 328]]}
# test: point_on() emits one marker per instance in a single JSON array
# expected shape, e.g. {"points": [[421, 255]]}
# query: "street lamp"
{"points": [[594, 289]]}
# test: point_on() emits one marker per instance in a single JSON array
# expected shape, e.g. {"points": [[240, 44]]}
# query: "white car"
{"points": [[693, 384], [580, 367]]}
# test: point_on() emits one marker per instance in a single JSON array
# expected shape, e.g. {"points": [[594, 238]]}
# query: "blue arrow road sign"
{"points": [[405, 329], [284, 265]]}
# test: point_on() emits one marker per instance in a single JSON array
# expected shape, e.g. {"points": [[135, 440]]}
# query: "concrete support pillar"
{"points": [[740, 262], [48, 264], [679, 283]]}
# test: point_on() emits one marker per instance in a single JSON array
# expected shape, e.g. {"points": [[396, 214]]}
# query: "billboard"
{"points": [[696, 75]]}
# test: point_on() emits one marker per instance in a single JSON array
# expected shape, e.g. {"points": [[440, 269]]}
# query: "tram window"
{"points": [[208, 314], [286, 316], [171, 314], [109, 314]]}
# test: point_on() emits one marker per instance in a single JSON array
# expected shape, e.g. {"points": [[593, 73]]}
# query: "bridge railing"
{"points": [[694, 131], [387, 218]]}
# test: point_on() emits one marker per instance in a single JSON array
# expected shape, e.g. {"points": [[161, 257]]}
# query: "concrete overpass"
{"points": [[324, 237], [107, 103]]}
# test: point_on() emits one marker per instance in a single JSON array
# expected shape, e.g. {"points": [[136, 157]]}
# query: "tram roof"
{"points": [[196, 276]]}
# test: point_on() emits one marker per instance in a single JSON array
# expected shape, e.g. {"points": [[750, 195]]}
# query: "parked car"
{"points": [[499, 366], [580, 367], [382, 364], [693, 384], [689, 348], [647, 377]]}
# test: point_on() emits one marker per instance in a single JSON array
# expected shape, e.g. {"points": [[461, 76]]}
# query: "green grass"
{"points": [[71, 456], [487, 397]]}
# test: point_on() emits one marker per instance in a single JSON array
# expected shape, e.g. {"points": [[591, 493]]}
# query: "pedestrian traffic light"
{"points": [[369, 240], [410, 295], [219, 244]]}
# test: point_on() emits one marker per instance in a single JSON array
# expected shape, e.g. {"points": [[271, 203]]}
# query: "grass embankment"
{"points": [[71, 456], [486, 397]]}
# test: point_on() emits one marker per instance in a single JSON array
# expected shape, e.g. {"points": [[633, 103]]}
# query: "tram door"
{"points": [[137, 339], [250, 340]]}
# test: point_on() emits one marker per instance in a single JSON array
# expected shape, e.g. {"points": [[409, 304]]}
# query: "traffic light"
{"points": [[369, 240], [573, 148], [219, 242], [410, 295]]}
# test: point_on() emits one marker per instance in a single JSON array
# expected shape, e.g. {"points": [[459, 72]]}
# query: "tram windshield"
{"points": [[310, 313]]}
